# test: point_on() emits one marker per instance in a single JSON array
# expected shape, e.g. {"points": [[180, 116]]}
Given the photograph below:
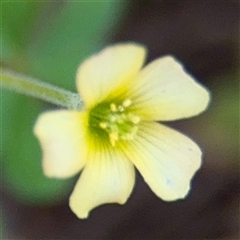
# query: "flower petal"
{"points": [[107, 73], [107, 178], [166, 159], [62, 135], [164, 91]]}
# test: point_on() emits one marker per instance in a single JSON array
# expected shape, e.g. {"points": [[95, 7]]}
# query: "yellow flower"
{"points": [[116, 130]]}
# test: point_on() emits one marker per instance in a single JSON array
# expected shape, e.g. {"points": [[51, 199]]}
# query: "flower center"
{"points": [[115, 120]]}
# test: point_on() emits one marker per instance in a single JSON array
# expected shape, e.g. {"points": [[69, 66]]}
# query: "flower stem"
{"points": [[39, 89]]}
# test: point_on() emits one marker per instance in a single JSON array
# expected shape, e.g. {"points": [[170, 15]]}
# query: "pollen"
{"points": [[103, 125], [120, 108], [113, 137], [135, 119], [127, 103], [113, 107], [117, 121]]}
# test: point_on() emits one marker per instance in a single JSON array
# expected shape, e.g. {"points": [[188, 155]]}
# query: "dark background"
{"points": [[205, 36]]}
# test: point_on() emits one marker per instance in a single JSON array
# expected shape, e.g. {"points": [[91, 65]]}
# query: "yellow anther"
{"points": [[113, 107], [103, 125], [120, 108], [113, 142], [127, 103], [113, 137], [119, 124], [135, 119]]}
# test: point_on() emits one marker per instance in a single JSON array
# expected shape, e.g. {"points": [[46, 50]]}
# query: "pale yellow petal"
{"points": [[62, 135], [165, 91], [166, 159], [107, 178], [107, 73]]}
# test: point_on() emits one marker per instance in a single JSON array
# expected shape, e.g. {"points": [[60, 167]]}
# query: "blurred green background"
{"points": [[48, 40]]}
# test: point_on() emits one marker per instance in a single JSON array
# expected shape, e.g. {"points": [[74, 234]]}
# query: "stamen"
{"points": [[113, 137], [120, 108], [103, 125], [113, 107], [135, 119], [127, 103], [117, 121]]}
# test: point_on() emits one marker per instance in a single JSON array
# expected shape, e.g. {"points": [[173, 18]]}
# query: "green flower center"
{"points": [[115, 120]]}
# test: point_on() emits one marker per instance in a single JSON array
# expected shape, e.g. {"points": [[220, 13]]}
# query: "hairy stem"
{"points": [[39, 89]]}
